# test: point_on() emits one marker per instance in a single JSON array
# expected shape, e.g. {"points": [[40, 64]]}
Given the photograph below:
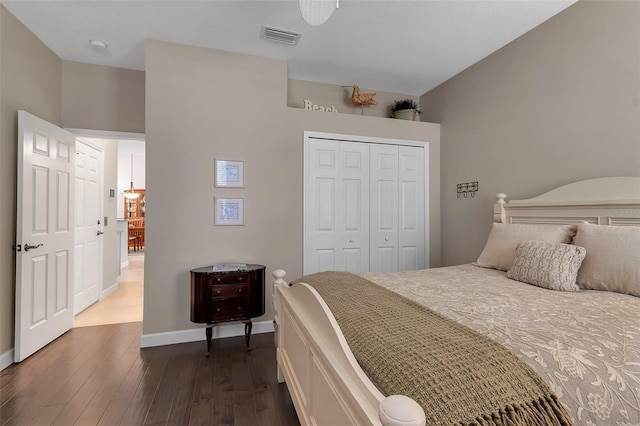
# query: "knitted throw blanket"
{"points": [[457, 375]]}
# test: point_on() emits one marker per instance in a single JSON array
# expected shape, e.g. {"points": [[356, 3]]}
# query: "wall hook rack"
{"points": [[467, 188]]}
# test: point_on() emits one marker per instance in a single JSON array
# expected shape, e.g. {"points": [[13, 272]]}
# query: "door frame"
{"points": [[308, 135], [114, 136]]}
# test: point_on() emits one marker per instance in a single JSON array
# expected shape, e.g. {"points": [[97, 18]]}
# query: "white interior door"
{"points": [[45, 234], [411, 232], [336, 228], [88, 225], [384, 208]]}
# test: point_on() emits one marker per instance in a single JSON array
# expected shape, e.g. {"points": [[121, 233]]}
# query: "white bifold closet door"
{"points": [[364, 206]]}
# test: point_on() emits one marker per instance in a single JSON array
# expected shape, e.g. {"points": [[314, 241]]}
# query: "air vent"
{"points": [[280, 36]]}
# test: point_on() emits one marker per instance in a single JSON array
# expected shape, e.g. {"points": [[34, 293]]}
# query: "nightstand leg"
{"points": [[209, 333], [248, 325]]}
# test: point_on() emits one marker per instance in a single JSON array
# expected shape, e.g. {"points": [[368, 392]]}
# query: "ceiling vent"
{"points": [[280, 36]]}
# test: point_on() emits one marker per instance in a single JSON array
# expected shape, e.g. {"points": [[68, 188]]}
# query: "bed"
{"points": [[585, 344]]}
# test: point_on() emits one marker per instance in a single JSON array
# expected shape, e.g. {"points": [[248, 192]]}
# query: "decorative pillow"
{"points": [[612, 262], [548, 265], [501, 245]]}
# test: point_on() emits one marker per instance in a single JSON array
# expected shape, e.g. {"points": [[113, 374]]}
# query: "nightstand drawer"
{"points": [[229, 278], [228, 290], [230, 309]]}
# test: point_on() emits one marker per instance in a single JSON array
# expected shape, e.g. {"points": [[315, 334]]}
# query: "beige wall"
{"points": [[102, 98], [204, 104], [560, 104], [328, 95], [30, 80]]}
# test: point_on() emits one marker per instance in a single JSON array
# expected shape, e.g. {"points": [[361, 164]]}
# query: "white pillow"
{"points": [[612, 262], [500, 249], [547, 265]]}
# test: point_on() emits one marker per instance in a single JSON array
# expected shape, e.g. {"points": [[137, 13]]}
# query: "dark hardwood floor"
{"points": [[99, 376]]}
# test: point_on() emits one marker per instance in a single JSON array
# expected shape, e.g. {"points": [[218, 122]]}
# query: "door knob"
{"points": [[386, 238], [350, 240], [100, 233], [28, 246]]}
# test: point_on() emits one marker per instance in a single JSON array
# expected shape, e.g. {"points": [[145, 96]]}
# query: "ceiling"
{"points": [[399, 46]]}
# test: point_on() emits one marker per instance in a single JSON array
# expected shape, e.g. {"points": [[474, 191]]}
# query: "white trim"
{"points": [[197, 334], [106, 134], [124, 265], [6, 359], [113, 287], [90, 144], [362, 139]]}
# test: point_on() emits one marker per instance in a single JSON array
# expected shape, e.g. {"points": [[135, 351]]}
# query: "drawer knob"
{"points": [[239, 290], [219, 280], [239, 308], [217, 291], [240, 279], [218, 310]]}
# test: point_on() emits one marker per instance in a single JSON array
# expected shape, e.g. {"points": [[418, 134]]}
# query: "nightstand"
{"points": [[219, 297]]}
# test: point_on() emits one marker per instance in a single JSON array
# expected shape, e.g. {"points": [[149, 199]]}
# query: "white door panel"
{"points": [[384, 208], [88, 240], [336, 223], [411, 233], [45, 217]]}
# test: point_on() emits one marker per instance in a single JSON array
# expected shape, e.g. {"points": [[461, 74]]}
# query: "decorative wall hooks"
{"points": [[467, 188]]}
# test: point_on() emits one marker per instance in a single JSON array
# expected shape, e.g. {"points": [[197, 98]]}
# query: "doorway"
{"points": [[122, 292]]}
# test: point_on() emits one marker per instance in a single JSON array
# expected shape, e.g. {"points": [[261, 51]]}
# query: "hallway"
{"points": [[123, 305]]}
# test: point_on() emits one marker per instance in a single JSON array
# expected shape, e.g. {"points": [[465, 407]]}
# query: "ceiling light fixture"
{"points": [[317, 12], [98, 44], [131, 194]]}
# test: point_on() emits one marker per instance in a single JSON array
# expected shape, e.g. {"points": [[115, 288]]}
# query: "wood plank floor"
{"points": [[99, 376]]}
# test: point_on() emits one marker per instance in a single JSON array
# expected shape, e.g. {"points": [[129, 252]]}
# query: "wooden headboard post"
{"points": [[602, 201], [498, 207]]}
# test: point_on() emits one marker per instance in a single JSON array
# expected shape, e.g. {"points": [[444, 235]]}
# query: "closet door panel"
{"points": [[384, 208], [336, 207], [411, 233], [322, 227], [354, 178]]}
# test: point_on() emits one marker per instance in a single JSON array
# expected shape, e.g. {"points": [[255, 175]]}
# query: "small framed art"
{"points": [[229, 174], [229, 211]]}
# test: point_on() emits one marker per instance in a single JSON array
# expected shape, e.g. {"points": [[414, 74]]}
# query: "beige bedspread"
{"points": [[585, 344]]}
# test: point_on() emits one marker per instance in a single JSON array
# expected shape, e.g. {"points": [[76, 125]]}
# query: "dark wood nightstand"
{"points": [[218, 297]]}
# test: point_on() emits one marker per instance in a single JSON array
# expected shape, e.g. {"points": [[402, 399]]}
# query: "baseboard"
{"points": [[6, 359], [124, 264], [197, 334], [108, 291]]}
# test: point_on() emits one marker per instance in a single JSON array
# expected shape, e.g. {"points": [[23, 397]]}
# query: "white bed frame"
{"points": [[327, 385]]}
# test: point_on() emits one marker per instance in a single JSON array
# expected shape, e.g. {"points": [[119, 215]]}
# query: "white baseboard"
{"points": [[197, 334], [108, 291], [124, 264], [6, 359]]}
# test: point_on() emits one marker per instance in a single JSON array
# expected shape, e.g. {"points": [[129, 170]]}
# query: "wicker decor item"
{"points": [[457, 375], [362, 99]]}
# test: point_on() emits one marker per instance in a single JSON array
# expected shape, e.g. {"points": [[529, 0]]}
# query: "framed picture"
{"points": [[229, 174], [229, 211]]}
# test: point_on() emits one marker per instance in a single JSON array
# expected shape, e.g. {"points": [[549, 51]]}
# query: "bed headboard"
{"points": [[602, 201]]}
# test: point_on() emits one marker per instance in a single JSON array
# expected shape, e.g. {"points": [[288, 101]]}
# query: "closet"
{"points": [[365, 204]]}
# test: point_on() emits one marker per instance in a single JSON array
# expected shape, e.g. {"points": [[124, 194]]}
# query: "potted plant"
{"points": [[405, 109]]}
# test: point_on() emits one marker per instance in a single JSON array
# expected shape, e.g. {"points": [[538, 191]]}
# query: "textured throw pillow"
{"points": [[612, 262], [501, 245], [548, 265]]}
